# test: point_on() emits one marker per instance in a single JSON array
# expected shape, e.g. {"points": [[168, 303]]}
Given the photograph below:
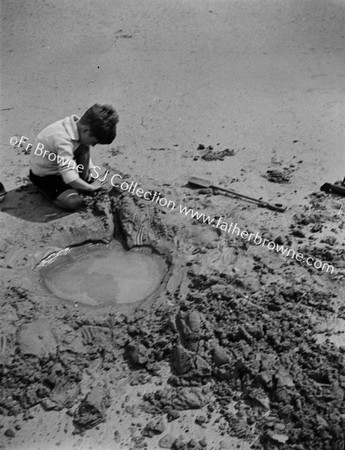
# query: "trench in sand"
{"points": [[97, 275]]}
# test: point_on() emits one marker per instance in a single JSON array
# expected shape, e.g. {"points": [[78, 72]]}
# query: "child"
{"points": [[61, 164]]}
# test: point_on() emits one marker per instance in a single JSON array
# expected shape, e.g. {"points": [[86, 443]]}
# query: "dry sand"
{"points": [[262, 78]]}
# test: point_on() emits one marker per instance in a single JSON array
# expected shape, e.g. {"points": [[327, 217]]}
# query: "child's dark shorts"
{"points": [[51, 185]]}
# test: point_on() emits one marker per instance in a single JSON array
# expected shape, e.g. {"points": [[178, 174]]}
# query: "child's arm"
{"points": [[81, 185], [65, 160]]}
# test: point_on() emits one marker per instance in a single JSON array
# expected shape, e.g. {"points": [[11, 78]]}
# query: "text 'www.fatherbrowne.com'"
{"points": [[255, 238]]}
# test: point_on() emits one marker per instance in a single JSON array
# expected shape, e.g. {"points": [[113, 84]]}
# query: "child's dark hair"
{"points": [[102, 121]]}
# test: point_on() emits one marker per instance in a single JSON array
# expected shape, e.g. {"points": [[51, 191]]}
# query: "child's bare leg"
{"points": [[69, 200], [82, 156]]}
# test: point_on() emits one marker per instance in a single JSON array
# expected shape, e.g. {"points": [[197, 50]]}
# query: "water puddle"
{"points": [[99, 275]]}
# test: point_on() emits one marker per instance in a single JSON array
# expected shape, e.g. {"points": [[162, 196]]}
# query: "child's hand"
{"points": [[98, 185]]}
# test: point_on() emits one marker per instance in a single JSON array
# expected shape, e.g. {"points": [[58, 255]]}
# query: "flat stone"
{"points": [[189, 398], [183, 360], [48, 405], [279, 438], [220, 356], [91, 410], [36, 338], [284, 379], [64, 394], [189, 327], [154, 427]]}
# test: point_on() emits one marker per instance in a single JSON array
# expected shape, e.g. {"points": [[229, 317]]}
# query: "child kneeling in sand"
{"points": [[61, 164]]}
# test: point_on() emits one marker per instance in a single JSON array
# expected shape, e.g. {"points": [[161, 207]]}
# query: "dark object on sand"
{"points": [[200, 182], [334, 188], [91, 410], [213, 155], [278, 176], [2, 192]]}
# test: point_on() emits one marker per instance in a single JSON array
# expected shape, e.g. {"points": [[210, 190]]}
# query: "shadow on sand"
{"points": [[28, 203]]}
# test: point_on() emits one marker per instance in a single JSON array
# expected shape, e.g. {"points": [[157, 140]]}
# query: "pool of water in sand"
{"points": [[98, 274]]}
